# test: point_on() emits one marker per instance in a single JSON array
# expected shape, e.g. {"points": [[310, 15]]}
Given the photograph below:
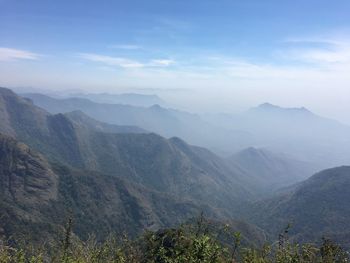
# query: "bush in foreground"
{"points": [[194, 243]]}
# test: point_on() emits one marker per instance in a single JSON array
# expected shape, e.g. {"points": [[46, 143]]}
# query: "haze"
{"points": [[175, 131], [202, 56]]}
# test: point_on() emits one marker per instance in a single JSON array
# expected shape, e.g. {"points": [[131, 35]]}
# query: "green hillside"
{"points": [[315, 208]]}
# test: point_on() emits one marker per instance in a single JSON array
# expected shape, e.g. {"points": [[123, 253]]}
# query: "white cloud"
{"points": [[11, 54], [323, 62], [162, 62], [125, 62], [332, 50], [315, 40], [112, 61], [315, 67], [127, 47], [324, 56]]}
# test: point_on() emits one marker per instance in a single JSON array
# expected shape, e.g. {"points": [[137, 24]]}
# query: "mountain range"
{"points": [[53, 166], [135, 99], [297, 132], [115, 178], [168, 165], [270, 171], [163, 121]]}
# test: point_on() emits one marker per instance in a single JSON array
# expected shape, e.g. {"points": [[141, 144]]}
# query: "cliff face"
{"points": [[28, 186], [26, 177]]}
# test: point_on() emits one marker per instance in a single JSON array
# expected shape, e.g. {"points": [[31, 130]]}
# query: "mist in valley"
{"points": [[173, 124]]}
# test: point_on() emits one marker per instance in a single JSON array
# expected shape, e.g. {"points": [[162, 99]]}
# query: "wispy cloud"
{"points": [[161, 62], [316, 40], [333, 51], [11, 54], [125, 62], [325, 56], [126, 47], [111, 61], [316, 67], [304, 59]]}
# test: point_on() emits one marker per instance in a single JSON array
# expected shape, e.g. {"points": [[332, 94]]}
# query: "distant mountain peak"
{"points": [[271, 107], [156, 107], [253, 153], [268, 105], [251, 150]]}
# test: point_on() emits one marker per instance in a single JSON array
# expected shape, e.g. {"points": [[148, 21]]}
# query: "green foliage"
{"points": [[193, 243], [331, 252], [316, 207]]}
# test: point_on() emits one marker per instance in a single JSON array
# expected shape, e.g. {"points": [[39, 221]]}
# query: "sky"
{"points": [[202, 55]]}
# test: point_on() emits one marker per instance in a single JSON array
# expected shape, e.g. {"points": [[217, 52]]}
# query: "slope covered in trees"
{"points": [[315, 208], [37, 197], [125, 179]]}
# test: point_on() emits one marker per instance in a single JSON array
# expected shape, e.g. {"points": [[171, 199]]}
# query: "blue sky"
{"points": [[231, 54]]}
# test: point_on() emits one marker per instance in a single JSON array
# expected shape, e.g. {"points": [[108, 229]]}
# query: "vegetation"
{"points": [[316, 207], [193, 243], [112, 183]]}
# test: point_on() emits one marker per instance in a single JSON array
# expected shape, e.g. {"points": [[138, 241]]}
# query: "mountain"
{"points": [[315, 208], [109, 182], [25, 176], [112, 178], [54, 135], [163, 121], [135, 99], [297, 132], [270, 108], [270, 171], [36, 197], [167, 165], [154, 118], [81, 119], [292, 122]]}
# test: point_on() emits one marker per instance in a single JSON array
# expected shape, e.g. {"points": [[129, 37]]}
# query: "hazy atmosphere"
{"points": [[217, 56], [174, 131]]}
